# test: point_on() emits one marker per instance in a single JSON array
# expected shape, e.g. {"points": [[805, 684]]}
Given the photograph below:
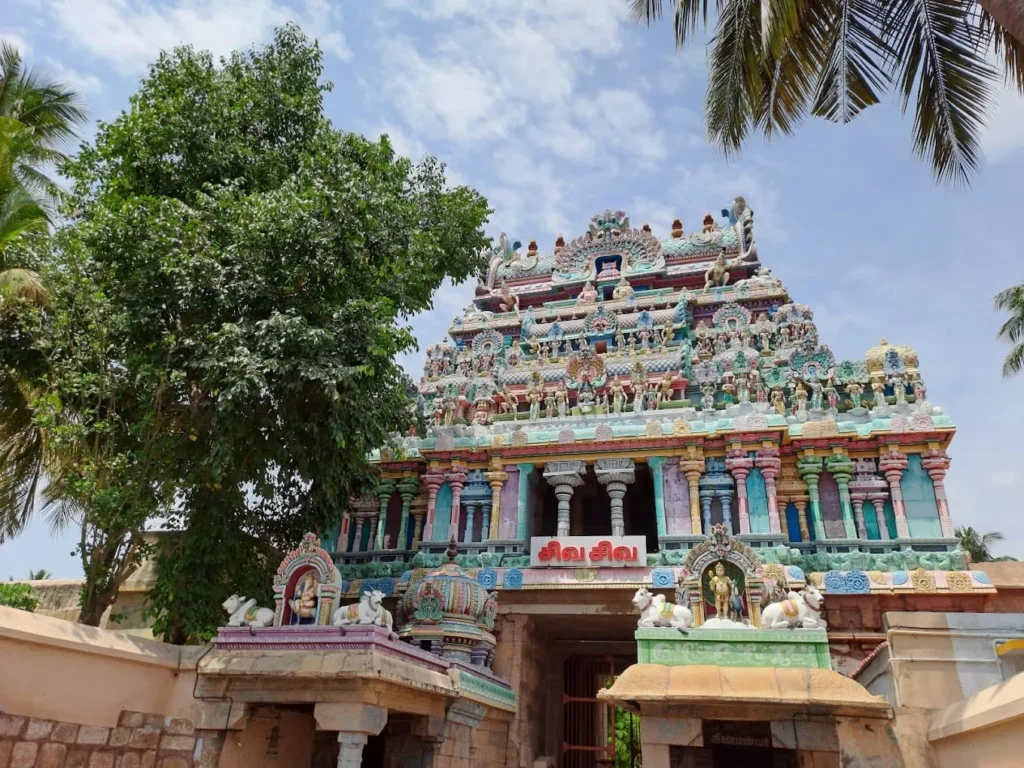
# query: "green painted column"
{"points": [[656, 463], [384, 489], [522, 505], [842, 470], [407, 489], [809, 468]]}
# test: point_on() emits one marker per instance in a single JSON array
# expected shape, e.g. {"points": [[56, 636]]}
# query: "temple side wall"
{"points": [[522, 658], [995, 747]]}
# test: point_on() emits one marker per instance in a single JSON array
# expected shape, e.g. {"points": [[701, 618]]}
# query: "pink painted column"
{"points": [[878, 502], [768, 461], [343, 536], [893, 463], [457, 480], [359, 534], [433, 484], [739, 464], [857, 499], [936, 463]]}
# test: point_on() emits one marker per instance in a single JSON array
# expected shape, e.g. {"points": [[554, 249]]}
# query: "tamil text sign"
{"points": [[588, 551]]}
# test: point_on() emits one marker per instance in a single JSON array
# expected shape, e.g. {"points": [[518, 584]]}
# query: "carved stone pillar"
{"points": [[841, 468], [878, 502], [496, 479], [354, 724], [768, 461], [615, 474], [867, 486], [791, 489], [726, 499], [374, 528], [357, 544], [739, 464], [657, 466], [470, 515], [936, 463], [706, 497], [691, 464], [457, 480], [485, 520], [565, 477], [384, 490], [809, 468], [801, 516], [346, 520], [419, 512], [432, 482], [407, 488], [893, 463], [716, 483]]}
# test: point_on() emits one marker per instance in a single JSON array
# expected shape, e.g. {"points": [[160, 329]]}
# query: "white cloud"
{"points": [[83, 82], [130, 36], [18, 41], [1005, 132]]}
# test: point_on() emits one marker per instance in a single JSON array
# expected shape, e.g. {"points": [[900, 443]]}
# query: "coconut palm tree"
{"points": [[41, 575], [979, 545], [38, 116], [1012, 300], [771, 62]]}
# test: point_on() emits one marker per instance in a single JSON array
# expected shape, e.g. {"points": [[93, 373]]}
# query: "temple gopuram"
{"points": [[605, 412]]}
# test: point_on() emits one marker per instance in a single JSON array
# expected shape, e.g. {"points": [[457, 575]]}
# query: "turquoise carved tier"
{"points": [[801, 648]]}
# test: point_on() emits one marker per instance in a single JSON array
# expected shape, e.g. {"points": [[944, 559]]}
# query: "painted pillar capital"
{"points": [[936, 463], [809, 467], [893, 463], [768, 461], [739, 464], [565, 477], [614, 474], [691, 465]]}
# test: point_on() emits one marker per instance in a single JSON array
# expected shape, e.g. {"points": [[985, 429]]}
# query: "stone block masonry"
{"points": [[140, 740]]}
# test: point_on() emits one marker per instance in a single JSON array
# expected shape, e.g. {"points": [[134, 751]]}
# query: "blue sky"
{"points": [[556, 110]]}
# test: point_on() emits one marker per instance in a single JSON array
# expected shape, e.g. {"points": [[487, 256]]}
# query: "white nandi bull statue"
{"points": [[245, 613], [655, 611], [800, 610], [367, 611]]}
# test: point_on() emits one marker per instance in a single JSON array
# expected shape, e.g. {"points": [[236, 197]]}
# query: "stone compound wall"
{"points": [[140, 740], [522, 657]]}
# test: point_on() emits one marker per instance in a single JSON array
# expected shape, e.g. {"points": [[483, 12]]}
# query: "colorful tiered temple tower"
{"points": [[604, 413]]}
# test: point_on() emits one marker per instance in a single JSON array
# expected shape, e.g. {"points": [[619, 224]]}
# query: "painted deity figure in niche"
{"points": [[304, 599], [549, 404], [534, 343], [623, 290], [878, 390], [562, 399], [510, 402], [920, 393], [760, 390], [667, 333], [728, 390], [639, 394], [832, 395], [817, 400], [779, 400], [631, 346], [742, 388], [800, 396], [707, 400], [721, 590], [665, 389], [535, 396], [899, 389]]}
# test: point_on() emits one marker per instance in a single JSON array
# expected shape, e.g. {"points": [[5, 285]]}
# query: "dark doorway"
{"points": [[638, 508], [745, 757]]}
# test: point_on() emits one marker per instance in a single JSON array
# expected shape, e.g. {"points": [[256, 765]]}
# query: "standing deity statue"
{"points": [[639, 395], [534, 343], [800, 396], [707, 400], [878, 391], [449, 411], [728, 390], [832, 394], [779, 400], [784, 334], [618, 395], [535, 397], [561, 399], [667, 333], [438, 410], [920, 393], [816, 394], [510, 402], [620, 341], [631, 346], [899, 389], [760, 390], [721, 588], [556, 348], [854, 390], [549, 404], [645, 339], [543, 354], [742, 388]]}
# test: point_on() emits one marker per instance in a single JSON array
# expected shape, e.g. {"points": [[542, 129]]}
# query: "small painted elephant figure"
{"points": [[367, 611], [801, 610], [245, 613], [655, 611]]}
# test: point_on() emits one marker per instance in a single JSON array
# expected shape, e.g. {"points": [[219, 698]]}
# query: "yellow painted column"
{"points": [[691, 464]]}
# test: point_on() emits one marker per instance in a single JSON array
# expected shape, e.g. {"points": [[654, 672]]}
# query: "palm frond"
{"points": [[851, 77], [736, 79], [935, 57], [687, 16]]}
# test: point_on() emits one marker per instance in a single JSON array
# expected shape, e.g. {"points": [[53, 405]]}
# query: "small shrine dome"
{"points": [[875, 357], [450, 614]]}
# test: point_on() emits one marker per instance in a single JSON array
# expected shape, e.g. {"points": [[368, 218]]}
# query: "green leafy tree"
{"points": [[41, 575], [249, 272], [979, 545], [18, 596], [772, 62]]}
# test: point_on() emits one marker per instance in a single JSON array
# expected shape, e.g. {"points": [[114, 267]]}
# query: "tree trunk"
{"points": [[1009, 14], [95, 606]]}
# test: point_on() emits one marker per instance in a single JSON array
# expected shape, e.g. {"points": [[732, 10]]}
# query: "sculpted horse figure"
{"points": [[799, 610], [245, 613], [655, 611], [367, 611]]}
